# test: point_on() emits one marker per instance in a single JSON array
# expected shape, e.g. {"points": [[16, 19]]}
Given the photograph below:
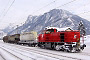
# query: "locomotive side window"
{"points": [[49, 31]]}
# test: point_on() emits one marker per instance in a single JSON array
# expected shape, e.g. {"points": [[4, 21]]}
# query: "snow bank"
{"points": [[87, 39]]}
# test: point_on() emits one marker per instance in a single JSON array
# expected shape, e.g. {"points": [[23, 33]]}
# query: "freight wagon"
{"points": [[5, 39], [12, 38], [29, 38]]}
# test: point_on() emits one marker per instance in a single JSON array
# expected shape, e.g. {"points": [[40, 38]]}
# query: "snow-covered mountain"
{"points": [[56, 17], [9, 28]]}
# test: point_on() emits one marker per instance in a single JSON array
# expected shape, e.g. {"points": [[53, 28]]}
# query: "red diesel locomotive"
{"points": [[64, 39]]}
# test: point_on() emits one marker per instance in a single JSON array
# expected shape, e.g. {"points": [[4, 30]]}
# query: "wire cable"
{"points": [[4, 9], [44, 6], [66, 3], [83, 13], [9, 7], [56, 7]]}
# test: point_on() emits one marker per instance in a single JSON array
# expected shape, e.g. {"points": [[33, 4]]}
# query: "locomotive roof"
{"points": [[58, 29]]}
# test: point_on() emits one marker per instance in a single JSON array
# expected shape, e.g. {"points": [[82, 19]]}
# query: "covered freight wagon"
{"points": [[29, 38]]}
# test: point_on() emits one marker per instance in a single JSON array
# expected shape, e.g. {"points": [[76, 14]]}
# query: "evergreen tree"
{"points": [[81, 28]]}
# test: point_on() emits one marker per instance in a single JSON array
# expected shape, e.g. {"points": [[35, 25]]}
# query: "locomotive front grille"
{"points": [[62, 37]]}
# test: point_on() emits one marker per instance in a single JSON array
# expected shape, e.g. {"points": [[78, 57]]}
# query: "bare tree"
{"points": [[81, 28]]}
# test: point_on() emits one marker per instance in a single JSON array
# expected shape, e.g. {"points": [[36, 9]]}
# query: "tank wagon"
{"points": [[12, 38], [64, 39], [5, 38], [29, 38]]}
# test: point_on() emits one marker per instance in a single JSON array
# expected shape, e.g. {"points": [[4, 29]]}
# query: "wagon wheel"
{"points": [[43, 46]]}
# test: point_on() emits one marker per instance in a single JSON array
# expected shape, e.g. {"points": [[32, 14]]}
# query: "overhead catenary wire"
{"points": [[9, 8], [71, 2], [65, 4], [4, 9], [45, 6], [61, 6], [52, 3], [83, 12], [41, 7], [55, 7]]}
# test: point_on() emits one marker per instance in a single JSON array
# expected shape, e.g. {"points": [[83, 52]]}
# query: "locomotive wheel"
{"points": [[73, 50], [79, 50], [36, 45], [57, 47]]}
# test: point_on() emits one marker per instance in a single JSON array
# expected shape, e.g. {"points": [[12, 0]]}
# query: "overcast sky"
{"points": [[20, 9]]}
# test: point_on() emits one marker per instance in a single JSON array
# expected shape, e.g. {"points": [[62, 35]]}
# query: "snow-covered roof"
{"points": [[59, 29]]}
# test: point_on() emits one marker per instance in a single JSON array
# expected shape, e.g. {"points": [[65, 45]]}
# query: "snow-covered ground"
{"points": [[18, 52], [87, 40]]}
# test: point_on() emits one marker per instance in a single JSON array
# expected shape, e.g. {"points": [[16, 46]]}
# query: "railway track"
{"points": [[10, 54], [28, 57], [52, 55], [47, 54], [2, 58], [28, 52], [84, 53]]}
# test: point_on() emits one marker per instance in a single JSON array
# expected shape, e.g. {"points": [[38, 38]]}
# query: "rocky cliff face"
{"points": [[56, 17]]}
